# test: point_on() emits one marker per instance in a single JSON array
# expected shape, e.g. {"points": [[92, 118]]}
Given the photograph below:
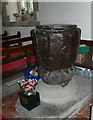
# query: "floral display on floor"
{"points": [[27, 85]]}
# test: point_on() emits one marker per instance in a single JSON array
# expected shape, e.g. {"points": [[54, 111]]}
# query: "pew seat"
{"points": [[17, 57]]}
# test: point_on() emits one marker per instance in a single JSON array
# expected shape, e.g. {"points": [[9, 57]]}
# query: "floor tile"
{"points": [[92, 101], [82, 109], [88, 107], [86, 113], [81, 116], [85, 106], [8, 108]]}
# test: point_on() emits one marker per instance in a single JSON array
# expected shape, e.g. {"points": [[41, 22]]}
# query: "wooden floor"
{"points": [[7, 108]]}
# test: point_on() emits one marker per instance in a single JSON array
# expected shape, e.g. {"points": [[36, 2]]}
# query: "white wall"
{"points": [[92, 20], [0, 24], [25, 31], [11, 8], [0, 19], [78, 13]]}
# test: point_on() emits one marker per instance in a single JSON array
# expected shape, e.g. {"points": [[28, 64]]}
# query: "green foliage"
{"points": [[16, 14], [31, 13], [23, 11]]}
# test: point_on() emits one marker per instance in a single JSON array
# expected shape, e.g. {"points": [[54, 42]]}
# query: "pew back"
{"points": [[18, 35], [17, 56], [88, 63]]}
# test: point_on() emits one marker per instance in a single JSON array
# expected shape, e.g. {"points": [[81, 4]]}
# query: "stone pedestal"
{"points": [[58, 102], [56, 94]]}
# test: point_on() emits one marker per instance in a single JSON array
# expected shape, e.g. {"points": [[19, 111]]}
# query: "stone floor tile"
{"points": [[5, 100], [92, 101], [11, 115], [0, 102], [84, 107], [88, 107], [10, 101], [80, 116], [86, 113], [0, 109], [75, 115]]}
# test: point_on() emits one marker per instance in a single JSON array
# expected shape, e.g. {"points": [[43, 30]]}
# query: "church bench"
{"points": [[18, 35], [88, 61], [17, 58], [3, 35]]}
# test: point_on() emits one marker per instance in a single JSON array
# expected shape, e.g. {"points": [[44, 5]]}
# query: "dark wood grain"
{"points": [[87, 64], [18, 35], [24, 51], [87, 42], [4, 34]]}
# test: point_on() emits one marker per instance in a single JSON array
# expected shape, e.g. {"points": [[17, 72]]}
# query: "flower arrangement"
{"points": [[16, 14], [23, 11], [28, 84], [31, 13], [28, 87], [24, 14]]}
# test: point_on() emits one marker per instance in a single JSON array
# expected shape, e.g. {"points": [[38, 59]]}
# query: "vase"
{"points": [[56, 49], [24, 18], [29, 102]]}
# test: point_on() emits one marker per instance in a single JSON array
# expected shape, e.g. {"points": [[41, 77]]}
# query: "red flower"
{"points": [[26, 89], [29, 86], [33, 83], [23, 83]]}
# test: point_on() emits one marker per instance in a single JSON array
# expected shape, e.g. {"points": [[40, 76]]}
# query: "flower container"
{"points": [[29, 102], [24, 18]]}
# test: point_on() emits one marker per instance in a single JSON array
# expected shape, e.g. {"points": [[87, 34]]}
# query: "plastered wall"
{"points": [[78, 13]]}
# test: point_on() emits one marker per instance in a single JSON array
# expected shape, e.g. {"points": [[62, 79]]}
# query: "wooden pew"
{"points": [[18, 35], [15, 42], [88, 64], [3, 35], [17, 58]]}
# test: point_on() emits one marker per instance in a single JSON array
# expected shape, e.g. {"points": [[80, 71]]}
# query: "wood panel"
{"points": [[88, 62], [11, 54]]}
